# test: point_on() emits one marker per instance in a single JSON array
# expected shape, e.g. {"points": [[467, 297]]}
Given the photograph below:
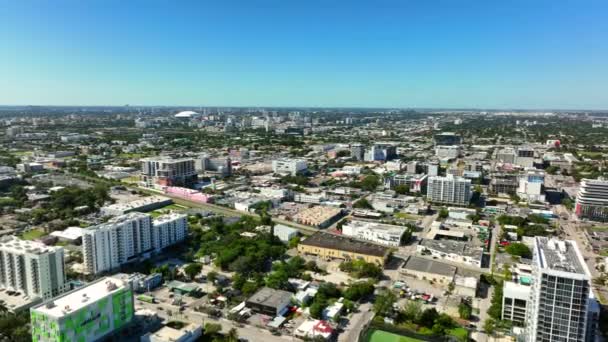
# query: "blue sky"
{"points": [[426, 53]]}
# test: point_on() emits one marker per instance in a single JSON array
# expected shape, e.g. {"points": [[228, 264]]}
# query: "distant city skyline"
{"points": [[538, 55]]}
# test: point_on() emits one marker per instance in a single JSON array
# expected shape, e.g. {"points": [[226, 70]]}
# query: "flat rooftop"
{"points": [[270, 297], [75, 300], [429, 266], [453, 247], [332, 241], [560, 255], [377, 226], [138, 203], [13, 244]]}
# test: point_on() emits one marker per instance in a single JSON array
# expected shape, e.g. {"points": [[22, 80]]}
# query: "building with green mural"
{"points": [[86, 314]]}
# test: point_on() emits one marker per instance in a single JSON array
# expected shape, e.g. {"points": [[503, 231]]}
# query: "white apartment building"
{"points": [[385, 234], [128, 237], [291, 166], [168, 230], [31, 268], [449, 190], [592, 200], [559, 304]]}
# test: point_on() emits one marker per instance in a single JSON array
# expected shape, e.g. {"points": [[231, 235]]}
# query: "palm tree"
{"points": [[232, 335], [3, 307]]}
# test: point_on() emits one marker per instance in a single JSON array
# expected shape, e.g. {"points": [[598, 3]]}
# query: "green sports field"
{"points": [[385, 336]]}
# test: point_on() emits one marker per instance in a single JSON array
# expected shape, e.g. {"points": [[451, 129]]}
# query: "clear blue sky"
{"points": [[424, 53]]}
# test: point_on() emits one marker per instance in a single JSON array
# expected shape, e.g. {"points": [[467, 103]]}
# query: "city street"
{"points": [[245, 331]]}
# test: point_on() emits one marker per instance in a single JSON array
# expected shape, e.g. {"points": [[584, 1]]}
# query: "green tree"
{"points": [[489, 326], [316, 309], [519, 249], [465, 310], [212, 329], [192, 270], [362, 204], [412, 310], [383, 304], [443, 213], [402, 189], [232, 335]]}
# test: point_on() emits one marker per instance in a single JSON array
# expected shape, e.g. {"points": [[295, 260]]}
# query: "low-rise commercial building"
{"points": [[188, 333], [384, 234], [428, 270], [142, 205], [318, 216], [270, 302], [284, 233], [332, 246], [455, 251]]}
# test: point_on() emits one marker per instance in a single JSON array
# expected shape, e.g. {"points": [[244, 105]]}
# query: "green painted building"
{"points": [[85, 314]]}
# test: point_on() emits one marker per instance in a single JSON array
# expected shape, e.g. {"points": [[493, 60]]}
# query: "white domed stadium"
{"points": [[186, 114]]}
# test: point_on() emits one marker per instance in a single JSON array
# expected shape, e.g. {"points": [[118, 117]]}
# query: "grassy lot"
{"points": [[33, 234], [461, 334], [385, 336], [130, 180], [165, 210]]}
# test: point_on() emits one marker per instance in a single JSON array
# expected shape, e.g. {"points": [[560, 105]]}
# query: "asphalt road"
{"points": [[356, 324]]}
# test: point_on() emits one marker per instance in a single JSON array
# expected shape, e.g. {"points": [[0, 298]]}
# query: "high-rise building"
{"points": [[531, 186], [165, 171], [592, 200], [127, 238], [219, 165], [357, 151], [89, 313], [449, 190], [32, 268], [381, 152], [168, 230], [559, 306]]}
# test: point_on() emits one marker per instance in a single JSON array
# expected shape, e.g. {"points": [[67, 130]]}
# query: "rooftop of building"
{"points": [[168, 333], [168, 218], [14, 244], [560, 255], [270, 297], [429, 266], [337, 242], [75, 300], [137, 203], [453, 247], [376, 226]]}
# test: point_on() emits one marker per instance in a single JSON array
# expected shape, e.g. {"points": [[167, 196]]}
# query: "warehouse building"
{"points": [[332, 246]]}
